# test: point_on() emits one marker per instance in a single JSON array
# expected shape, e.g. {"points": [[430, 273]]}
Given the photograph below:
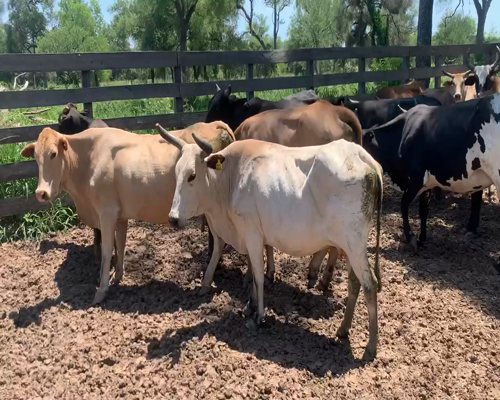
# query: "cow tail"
{"points": [[379, 216]]}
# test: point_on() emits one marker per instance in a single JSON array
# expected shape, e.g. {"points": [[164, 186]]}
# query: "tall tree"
{"points": [[277, 6], [482, 7], [424, 32], [28, 21], [249, 17], [185, 10]]}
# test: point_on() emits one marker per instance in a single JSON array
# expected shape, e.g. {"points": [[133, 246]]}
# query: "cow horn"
{"points": [[467, 61], [228, 91], [217, 87], [203, 144], [177, 142], [497, 60], [447, 73], [9, 137], [402, 109]]}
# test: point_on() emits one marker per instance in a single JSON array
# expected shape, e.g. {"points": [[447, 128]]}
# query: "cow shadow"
{"points": [[448, 259], [151, 292], [285, 343]]}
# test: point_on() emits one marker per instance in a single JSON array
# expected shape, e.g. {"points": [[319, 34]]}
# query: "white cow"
{"points": [[299, 200]]}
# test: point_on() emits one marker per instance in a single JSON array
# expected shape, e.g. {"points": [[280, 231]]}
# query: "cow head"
{"points": [[192, 173], [72, 121], [219, 105], [484, 75], [460, 83], [50, 152]]}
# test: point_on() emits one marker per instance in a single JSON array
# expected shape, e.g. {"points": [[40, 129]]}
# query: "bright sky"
{"points": [[440, 7]]}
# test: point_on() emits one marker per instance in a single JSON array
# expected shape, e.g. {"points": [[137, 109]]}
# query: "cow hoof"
{"points": [[99, 296], [251, 325], [260, 321], [342, 333], [469, 236], [414, 244], [248, 309], [323, 287], [204, 290], [369, 355], [117, 279], [311, 283]]}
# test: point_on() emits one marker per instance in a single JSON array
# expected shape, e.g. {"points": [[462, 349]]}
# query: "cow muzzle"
{"points": [[458, 97], [174, 221], [42, 195]]}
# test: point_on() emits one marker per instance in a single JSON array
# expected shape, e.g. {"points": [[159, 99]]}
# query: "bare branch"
{"points": [[249, 18], [460, 3]]}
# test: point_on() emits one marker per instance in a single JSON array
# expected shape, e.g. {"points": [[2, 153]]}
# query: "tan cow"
{"points": [[311, 125], [113, 176], [405, 91], [461, 85]]}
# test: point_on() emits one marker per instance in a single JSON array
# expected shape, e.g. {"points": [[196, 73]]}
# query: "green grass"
{"points": [[36, 225]]}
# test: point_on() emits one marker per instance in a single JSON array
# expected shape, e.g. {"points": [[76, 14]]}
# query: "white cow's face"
{"points": [[191, 184], [192, 177], [48, 152]]}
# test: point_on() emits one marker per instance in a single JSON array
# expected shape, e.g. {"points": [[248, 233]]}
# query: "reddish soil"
{"points": [[153, 337]]}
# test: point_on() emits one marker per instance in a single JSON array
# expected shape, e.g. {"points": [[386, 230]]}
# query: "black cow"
{"points": [[71, 121], [232, 110], [378, 112], [454, 147]]}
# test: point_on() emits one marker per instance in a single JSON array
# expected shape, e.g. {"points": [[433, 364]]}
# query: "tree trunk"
{"points": [[276, 24], [481, 20], [424, 33], [184, 29]]}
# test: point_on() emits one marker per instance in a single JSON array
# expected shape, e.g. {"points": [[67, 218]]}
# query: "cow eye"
{"points": [[191, 177], [53, 155]]}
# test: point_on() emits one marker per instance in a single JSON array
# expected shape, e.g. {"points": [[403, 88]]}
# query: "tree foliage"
{"points": [[80, 29], [28, 21], [455, 29]]}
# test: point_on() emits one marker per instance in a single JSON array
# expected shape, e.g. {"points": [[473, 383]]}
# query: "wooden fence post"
{"points": [[86, 83], [464, 61], [310, 72], [179, 104], [406, 68], [251, 93], [45, 80], [361, 68], [437, 62]]}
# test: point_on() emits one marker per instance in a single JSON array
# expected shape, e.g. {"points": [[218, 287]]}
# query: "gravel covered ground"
{"points": [[153, 337]]}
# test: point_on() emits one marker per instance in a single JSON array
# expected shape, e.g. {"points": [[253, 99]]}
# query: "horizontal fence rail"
{"points": [[179, 90]]}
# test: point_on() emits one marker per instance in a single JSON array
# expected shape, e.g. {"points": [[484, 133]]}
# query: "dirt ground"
{"points": [[153, 337]]}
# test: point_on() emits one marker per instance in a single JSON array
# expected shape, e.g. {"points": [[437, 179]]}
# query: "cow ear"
{"points": [[228, 91], [84, 112], [29, 151], [471, 80], [215, 161], [64, 143]]}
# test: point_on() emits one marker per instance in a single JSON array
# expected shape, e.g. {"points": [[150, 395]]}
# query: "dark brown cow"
{"points": [[401, 92]]}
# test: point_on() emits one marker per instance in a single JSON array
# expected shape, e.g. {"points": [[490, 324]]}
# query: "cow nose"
{"points": [[42, 195], [458, 96], [174, 222]]}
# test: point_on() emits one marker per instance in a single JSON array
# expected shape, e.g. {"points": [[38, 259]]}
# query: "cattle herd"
{"points": [[302, 175]]}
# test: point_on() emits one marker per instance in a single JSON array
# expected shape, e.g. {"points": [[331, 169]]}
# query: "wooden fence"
{"points": [[179, 90]]}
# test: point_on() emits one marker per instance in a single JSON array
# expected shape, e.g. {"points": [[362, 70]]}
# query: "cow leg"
{"points": [[361, 274], [214, 260], [314, 265], [120, 239], [210, 243], [108, 224], [406, 200], [270, 263], [97, 244], [423, 209], [257, 263], [324, 283], [475, 209]]}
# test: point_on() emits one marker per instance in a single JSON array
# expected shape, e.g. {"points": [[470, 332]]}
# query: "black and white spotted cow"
{"points": [[454, 147]]}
